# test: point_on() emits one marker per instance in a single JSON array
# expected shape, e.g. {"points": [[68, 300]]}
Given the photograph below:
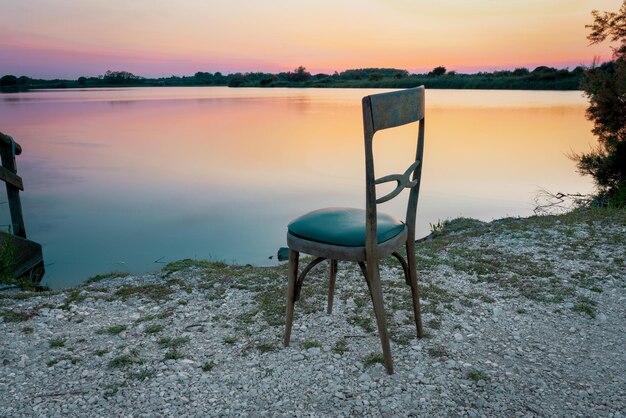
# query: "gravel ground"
{"points": [[524, 317]]}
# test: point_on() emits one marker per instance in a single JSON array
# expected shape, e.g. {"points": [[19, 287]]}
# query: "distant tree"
{"points": [[438, 71], [268, 80], [219, 79], [24, 81], [120, 77], [544, 69], [543, 73], [375, 76], [299, 75], [202, 78], [605, 86], [8, 81], [82, 80], [236, 80], [520, 71]]}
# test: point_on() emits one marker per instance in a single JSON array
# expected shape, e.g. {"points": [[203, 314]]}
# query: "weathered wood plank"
{"points": [[28, 257], [8, 141], [13, 193], [11, 178], [396, 108]]}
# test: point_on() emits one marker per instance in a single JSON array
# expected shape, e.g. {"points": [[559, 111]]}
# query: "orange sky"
{"points": [[69, 38]]}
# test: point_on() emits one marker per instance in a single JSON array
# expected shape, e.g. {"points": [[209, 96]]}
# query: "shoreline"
{"points": [[524, 316]]}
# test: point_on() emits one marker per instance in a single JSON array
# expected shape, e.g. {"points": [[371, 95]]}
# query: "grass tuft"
{"points": [[153, 329], [112, 330], [173, 355], [173, 343], [17, 316], [477, 375], [372, 359], [208, 366], [57, 342], [311, 343]]}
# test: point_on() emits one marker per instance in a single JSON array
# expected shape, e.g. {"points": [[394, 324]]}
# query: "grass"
{"points": [[17, 316], [477, 375], [265, 347], [585, 305], [100, 352], [74, 297], [145, 319], [229, 340], [166, 313], [363, 322], [310, 344], [142, 375], [173, 355], [403, 338], [153, 328], [372, 359], [111, 275], [57, 342], [434, 324], [125, 360], [207, 366], [341, 346], [437, 352], [187, 263], [112, 330], [27, 330], [173, 343]]}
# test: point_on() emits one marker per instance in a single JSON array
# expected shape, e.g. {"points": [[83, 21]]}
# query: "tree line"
{"points": [[540, 78]]}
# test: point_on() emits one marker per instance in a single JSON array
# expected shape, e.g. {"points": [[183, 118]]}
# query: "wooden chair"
{"points": [[365, 236]]}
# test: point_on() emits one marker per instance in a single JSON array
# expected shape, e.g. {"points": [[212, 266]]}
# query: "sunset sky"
{"points": [[70, 38]]}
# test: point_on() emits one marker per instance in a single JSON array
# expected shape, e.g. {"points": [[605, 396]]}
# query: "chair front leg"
{"points": [[332, 274], [410, 255], [373, 278], [291, 293]]}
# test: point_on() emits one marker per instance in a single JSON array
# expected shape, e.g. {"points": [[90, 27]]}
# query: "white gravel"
{"points": [[491, 350]]}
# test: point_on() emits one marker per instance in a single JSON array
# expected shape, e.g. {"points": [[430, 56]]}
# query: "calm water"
{"points": [[127, 179]]}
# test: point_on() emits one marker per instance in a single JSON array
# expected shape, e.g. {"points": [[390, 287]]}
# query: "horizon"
{"points": [[275, 73], [154, 40]]}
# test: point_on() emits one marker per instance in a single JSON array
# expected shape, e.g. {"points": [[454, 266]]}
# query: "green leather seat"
{"points": [[342, 226]]}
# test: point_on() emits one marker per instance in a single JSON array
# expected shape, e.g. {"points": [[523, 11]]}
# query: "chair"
{"points": [[365, 236]]}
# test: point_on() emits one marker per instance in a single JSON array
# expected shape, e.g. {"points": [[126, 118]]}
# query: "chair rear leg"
{"points": [[373, 278], [332, 274], [291, 293], [410, 255]]}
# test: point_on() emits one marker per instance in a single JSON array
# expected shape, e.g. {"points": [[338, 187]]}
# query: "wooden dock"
{"points": [[27, 256]]}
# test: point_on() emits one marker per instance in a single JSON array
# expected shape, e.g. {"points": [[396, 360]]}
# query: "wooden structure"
{"points": [[28, 262], [366, 236]]}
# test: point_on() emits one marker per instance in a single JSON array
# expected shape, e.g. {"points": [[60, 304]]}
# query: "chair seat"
{"points": [[342, 227]]}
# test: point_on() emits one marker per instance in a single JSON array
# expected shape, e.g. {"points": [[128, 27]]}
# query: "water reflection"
{"points": [[117, 179]]}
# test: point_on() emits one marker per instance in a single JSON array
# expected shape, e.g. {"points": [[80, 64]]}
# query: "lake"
{"points": [[129, 179]]}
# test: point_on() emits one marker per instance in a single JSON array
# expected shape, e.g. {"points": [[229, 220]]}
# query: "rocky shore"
{"points": [[524, 317]]}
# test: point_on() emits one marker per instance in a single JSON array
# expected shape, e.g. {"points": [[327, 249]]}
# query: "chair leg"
{"points": [[410, 255], [373, 278], [332, 274], [291, 293]]}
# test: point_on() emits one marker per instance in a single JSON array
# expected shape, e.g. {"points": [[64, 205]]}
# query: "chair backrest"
{"points": [[389, 110]]}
